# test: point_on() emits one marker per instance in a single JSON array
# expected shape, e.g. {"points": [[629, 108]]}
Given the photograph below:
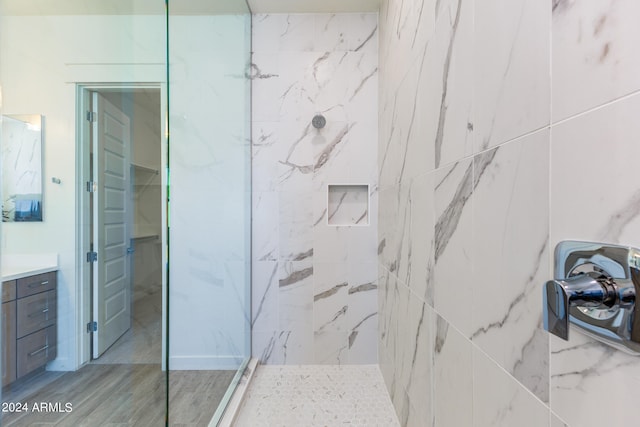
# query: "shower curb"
{"points": [[232, 409]]}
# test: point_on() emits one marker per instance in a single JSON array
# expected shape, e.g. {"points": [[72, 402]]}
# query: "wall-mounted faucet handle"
{"points": [[596, 288], [583, 290]]}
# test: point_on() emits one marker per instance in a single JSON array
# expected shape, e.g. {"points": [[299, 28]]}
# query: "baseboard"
{"points": [[205, 363]]}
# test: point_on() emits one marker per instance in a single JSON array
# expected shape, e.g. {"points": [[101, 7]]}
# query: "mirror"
{"points": [[22, 167]]}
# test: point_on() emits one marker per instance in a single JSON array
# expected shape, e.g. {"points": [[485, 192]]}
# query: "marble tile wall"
{"points": [[493, 119], [314, 284], [210, 206]]}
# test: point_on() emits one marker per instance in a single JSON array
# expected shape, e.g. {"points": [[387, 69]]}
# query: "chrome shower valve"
{"points": [[595, 288]]}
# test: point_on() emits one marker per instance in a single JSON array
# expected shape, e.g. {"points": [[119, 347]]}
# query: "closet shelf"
{"points": [[145, 169], [149, 174]]}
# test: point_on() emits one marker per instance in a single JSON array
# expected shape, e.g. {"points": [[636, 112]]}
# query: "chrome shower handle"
{"points": [[595, 288], [584, 290]]}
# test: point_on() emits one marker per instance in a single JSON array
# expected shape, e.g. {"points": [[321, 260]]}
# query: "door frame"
{"points": [[83, 224]]}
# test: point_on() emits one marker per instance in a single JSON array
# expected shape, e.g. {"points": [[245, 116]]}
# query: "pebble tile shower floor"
{"points": [[317, 395]]}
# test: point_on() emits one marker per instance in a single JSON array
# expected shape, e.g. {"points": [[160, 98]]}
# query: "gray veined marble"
{"points": [[445, 85], [620, 220], [296, 277], [257, 74], [302, 65], [330, 292], [363, 288]]}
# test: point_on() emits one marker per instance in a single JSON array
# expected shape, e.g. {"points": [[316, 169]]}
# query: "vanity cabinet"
{"points": [[8, 332], [29, 324]]}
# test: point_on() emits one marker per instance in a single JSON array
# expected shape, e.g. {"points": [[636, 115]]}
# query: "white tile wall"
{"points": [[492, 195], [594, 54], [594, 207], [210, 169], [304, 64]]}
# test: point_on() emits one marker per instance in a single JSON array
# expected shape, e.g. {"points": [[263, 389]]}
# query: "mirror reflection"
{"points": [[22, 137]]}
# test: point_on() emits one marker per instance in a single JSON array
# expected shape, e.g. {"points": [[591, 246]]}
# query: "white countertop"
{"points": [[17, 266]]}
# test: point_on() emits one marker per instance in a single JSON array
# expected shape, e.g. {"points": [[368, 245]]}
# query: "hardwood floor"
{"points": [[124, 387], [143, 342], [122, 395]]}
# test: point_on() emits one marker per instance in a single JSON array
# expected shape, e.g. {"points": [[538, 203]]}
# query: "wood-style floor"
{"points": [[123, 395], [124, 387]]}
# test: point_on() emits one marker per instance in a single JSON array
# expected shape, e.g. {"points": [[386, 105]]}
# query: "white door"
{"points": [[111, 232]]}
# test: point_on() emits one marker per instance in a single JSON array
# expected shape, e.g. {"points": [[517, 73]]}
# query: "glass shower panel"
{"points": [[84, 290], [210, 205]]}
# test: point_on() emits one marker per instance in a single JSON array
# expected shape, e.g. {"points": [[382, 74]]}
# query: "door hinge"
{"points": [[92, 256], [92, 327], [92, 187], [91, 116]]}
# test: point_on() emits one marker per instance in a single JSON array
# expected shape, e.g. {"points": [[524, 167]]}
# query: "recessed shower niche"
{"points": [[348, 204]]}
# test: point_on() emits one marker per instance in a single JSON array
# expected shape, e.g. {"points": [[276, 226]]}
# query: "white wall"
{"points": [[43, 58], [209, 235], [314, 284], [209, 161]]}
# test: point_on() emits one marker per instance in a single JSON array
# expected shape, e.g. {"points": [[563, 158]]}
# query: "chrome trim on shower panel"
{"points": [[612, 316]]}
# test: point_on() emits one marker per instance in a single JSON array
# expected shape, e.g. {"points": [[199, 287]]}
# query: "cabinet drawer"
{"points": [[36, 312], [36, 349], [8, 290], [34, 284]]}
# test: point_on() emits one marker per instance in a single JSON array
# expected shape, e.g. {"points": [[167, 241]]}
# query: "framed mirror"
{"points": [[22, 137]]}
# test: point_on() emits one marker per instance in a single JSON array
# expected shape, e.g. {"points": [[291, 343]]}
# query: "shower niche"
{"points": [[348, 204]]}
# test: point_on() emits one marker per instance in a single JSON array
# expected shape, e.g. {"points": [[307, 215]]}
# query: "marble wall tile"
{"points": [[452, 252], [402, 342], [295, 308], [265, 87], [265, 290], [406, 143], [362, 296], [363, 349], [510, 257], [388, 299], [349, 32], [330, 154], [604, 136], [304, 64], [452, 376], [296, 225], [594, 54], [498, 399], [416, 371], [405, 32], [345, 153], [209, 179], [512, 88], [330, 298], [362, 316], [420, 272], [449, 56], [499, 213], [393, 247], [363, 241], [582, 368], [554, 421], [266, 228]]}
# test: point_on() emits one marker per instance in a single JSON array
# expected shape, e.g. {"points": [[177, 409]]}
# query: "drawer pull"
{"points": [[40, 350], [35, 285], [32, 315]]}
